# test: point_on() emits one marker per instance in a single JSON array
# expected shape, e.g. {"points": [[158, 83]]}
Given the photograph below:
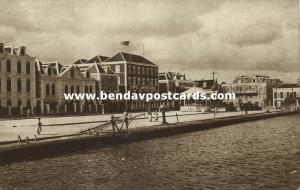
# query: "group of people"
{"points": [[150, 116]]}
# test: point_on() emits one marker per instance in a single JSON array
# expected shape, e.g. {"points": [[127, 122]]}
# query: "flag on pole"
{"points": [[124, 43]]}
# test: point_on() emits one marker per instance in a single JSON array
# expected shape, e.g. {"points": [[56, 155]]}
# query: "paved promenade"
{"points": [[10, 129]]}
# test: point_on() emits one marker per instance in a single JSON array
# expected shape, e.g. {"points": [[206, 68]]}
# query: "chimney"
{"points": [[22, 51]]}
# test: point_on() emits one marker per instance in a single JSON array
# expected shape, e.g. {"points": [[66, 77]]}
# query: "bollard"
{"points": [[112, 119], [19, 138], [35, 138], [27, 140], [177, 118]]}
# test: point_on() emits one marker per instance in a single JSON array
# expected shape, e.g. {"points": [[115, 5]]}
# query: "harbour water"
{"points": [[255, 155]]}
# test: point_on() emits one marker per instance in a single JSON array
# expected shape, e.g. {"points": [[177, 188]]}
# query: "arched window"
{"points": [[72, 89], [28, 85], [19, 102], [27, 67], [19, 85], [8, 65], [66, 89], [8, 85], [91, 89], [53, 89], [19, 67], [47, 90]]}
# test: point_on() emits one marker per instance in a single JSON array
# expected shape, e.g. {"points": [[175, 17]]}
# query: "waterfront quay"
{"points": [[61, 127], [261, 154]]}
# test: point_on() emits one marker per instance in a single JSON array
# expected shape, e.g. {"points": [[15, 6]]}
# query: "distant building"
{"points": [[286, 95], [17, 81], [256, 89], [175, 83], [136, 74]]}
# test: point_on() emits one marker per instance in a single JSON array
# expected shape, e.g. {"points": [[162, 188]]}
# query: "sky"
{"points": [[196, 37]]}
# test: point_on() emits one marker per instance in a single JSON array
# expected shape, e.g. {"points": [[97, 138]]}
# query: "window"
{"points": [[129, 81], [49, 71], [281, 94], [91, 89], [86, 89], [129, 69], [117, 69], [28, 85], [78, 89], [66, 89], [19, 102], [288, 95], [53, 89], [8, 102], [28, 103], [19, 85], [8, 85], [0, 86], [22, 51], [87, 74], [137, 70], [72, 72], [47, 90], [27, 67], [72, 89], [19, 67], [8, 66], [133, 69]]}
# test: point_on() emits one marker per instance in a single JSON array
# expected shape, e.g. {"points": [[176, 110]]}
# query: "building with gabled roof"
{"points": [[136, 74], [97, 59]]}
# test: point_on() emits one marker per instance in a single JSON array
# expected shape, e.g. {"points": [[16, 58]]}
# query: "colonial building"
{"points": [[256, 89], [54, 80], [136, 74], [175, 83], [105, 80], [286, 95], [17, 81]]}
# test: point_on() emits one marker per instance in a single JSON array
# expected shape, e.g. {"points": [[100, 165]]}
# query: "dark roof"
{"points": [[200, 83], [288, 85], [80, 61], [122, 56], [97, 59]]}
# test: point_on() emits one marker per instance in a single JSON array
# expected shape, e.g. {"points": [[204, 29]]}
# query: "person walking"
{"points": [[156, 116], [150, 116], [39, 127]]}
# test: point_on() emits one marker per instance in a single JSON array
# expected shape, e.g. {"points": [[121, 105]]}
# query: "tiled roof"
{"points": [[97, 59], [288, 85], [80, 61], [122, 56]]}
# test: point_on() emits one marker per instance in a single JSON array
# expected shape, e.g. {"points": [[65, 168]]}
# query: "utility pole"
{"points": [[213, 73]]}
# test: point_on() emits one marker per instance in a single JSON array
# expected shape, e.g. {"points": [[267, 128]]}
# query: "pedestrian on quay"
{"points": [[156, 116], [150, 116], [39, 127]]}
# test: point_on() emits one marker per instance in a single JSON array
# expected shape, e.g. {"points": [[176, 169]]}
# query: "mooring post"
{"points": [[19, 138], [35, 138], [112, 119], [27, 140]]}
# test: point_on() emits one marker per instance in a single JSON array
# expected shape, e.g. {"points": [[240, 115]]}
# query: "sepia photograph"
{"points": [[150, 94]]}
